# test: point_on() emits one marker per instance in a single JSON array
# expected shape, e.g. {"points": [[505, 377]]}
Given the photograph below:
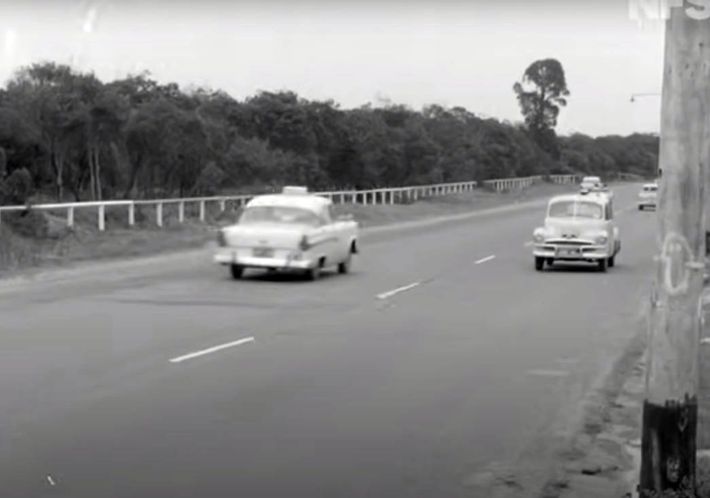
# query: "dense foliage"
{"points": [[541, 94], [66, 134]]}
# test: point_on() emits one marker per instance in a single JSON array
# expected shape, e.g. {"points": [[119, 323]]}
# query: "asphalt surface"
{"points": [[321, 389]]}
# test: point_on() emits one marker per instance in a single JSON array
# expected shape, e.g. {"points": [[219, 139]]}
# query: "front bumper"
{"points": [[571, 252], [282, 260]]}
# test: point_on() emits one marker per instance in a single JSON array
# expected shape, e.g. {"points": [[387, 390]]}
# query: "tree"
{"points": [[3, 163], [540, 95]]}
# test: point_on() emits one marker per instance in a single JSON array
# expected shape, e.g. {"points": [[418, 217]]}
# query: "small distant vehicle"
{"points": [[648, 196], [290, 231], [591, 184], [578, 228]]}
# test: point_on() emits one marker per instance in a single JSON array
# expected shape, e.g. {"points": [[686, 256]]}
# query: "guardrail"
{"points": [[390, 195]]}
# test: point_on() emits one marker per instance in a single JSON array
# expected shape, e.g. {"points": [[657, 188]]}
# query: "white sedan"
{"points": [[294, 231]]}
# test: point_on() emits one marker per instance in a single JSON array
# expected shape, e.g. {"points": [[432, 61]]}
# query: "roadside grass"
{"points": [[84, 242]]}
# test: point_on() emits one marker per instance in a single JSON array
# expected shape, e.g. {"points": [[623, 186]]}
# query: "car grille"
{"points": [[569, 242]]}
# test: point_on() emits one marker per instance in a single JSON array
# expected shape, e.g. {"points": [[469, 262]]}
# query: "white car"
{"points": [[294, 231], [648, 196], [590, 183], [578, 227]]}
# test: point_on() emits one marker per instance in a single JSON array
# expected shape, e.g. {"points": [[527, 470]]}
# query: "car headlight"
{"points": [[601, 239], [539, 235]]}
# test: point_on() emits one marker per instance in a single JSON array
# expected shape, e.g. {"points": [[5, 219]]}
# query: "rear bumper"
{"points": [[228, 256]]}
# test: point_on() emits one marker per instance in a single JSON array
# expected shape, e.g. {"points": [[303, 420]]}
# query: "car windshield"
{"points": [[279, 215], [576, 209]]}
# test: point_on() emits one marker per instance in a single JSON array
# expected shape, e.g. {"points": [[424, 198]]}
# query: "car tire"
{"points": [[602, 265], [313, 274], [611, 262], [237, 271], [640, 208], [344, 267], [539, 263], [550, 261]]}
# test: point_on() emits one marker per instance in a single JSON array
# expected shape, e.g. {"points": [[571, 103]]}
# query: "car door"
{"points": [[330, 236]]}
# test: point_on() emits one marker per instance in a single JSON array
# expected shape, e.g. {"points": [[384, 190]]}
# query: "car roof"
{"points": [[303, 201]]}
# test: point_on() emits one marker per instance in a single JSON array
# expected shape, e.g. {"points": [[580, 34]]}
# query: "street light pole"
{"points": [[670, 409]]}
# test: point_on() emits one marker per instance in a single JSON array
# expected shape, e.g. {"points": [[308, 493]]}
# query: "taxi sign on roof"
{"points": [[292, 190]]}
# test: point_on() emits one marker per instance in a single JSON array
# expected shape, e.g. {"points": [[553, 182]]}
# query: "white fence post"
{"points": [[102, 218], [181, 212], [131, 214], [159, 214], [70, 216], [202, 210]]}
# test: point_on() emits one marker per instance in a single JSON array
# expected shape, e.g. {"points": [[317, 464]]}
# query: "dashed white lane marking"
{"points": [[486, 259], [391, 293], [214, 349], [51, 481], [548, 373]]}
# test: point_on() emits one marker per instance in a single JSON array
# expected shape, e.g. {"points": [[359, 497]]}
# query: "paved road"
{"points": [[339, 394]]}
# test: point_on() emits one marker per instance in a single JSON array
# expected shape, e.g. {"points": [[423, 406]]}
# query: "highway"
{"points": [[442, 353]]}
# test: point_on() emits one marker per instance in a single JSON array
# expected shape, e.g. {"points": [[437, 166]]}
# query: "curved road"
{"points": [[442, 353]]}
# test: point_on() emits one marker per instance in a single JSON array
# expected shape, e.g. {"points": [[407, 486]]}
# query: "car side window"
{"points": [[326, 215], [609, 212]]}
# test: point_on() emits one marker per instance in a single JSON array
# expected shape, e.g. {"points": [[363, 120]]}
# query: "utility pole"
{"points": [[668, 442]]}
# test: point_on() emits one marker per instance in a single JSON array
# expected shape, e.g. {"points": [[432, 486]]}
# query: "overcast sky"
{"points": [[455, 53]]}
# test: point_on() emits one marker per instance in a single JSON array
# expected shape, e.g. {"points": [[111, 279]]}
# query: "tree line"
{"points": [[67, 135]]}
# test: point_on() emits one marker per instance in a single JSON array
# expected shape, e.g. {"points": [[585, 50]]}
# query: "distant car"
{"points": [[594, 184], [590, 183], [648, 196], [291, 231], [578, 227]]}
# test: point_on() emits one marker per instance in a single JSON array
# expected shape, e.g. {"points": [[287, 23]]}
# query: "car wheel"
{"points": [[640, 208], [611, 262], [550, 261], [539, 263], [602, 264], [313, 274], [344, 267], [237, 271]]}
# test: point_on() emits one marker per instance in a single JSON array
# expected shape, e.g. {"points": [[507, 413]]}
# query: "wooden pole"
{"points": [[668, 441]]}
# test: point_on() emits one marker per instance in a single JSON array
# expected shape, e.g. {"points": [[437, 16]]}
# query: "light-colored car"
{"points": [[590, 183], [578, 227], [292, 231], [594, 184], [648, 196]]}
